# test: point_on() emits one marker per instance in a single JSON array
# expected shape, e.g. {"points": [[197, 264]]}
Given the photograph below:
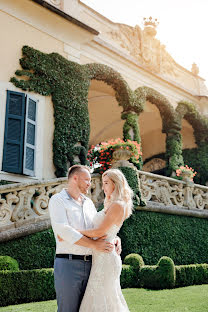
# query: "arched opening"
{"points": [[152, 139], [187, 132], [104, 113]]}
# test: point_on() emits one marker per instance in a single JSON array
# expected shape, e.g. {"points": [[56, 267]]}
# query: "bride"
{"points": [[103, 292]]}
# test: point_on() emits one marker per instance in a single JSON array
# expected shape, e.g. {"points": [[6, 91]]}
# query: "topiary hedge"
{"points": [[34, 251], [26, 286], [159, 276], [163, 275], [195, 274], [8, 264]]}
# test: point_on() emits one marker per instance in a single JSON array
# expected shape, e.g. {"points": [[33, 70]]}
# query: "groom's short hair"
{"points": [[76, 169]]}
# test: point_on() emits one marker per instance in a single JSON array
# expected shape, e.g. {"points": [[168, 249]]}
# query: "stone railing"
{"points": [[24, 207], [170, 195]]}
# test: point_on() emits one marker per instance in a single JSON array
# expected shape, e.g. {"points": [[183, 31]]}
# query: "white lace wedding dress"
{"points": [[103, 292]]}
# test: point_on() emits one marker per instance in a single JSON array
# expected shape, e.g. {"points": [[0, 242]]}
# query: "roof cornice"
{"points": [[66, 16]]}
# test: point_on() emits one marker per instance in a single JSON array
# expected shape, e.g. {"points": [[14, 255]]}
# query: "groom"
{"points": [[70, 210]]}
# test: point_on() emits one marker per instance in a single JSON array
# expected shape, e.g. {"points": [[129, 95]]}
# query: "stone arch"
{"points": [[189, 112], [165, 108], [124, 95], [170, 124]]}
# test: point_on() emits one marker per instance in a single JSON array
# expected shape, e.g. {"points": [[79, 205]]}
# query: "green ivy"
{"points": [[68, 83], [133, 181]]}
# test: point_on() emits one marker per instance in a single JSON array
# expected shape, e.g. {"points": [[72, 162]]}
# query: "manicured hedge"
{"points": [[194, 274], [153, 235], [149, 234], [38, 285], [26, 286], [163, 275], [34, 251], [8, 264], [159, 276]]}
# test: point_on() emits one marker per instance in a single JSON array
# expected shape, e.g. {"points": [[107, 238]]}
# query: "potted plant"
{"points": [[187, 174], [103, 155]]}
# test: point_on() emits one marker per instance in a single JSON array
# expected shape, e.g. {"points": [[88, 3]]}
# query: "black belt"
{"points": [[75, 257]]}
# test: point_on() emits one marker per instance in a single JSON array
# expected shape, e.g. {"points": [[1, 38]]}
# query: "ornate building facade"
{"points": [[135, 75]]}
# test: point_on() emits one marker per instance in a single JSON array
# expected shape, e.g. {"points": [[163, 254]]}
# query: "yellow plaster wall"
{"points": [[152, 138], [104, 112], [187, 133], [14, 35]]}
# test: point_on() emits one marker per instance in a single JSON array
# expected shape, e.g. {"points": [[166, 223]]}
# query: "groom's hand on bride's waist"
{"points": [[102, 245]]}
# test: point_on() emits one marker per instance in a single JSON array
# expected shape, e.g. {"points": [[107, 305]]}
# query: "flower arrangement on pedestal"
{"points": [[100, 156], [187, 174]]}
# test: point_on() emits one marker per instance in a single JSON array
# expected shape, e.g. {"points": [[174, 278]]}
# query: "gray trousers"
{"points": [[70, 278]]}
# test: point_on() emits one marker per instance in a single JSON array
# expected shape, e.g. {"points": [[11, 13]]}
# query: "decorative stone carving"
{"points": [[24, 204], [195, 69], [120, 158], [144, 47], [169, 191], [96, 192], [154, 164], [56, 3]]}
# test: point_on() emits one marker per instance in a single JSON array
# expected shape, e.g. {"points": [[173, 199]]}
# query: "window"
{"points": [[20, 134]]}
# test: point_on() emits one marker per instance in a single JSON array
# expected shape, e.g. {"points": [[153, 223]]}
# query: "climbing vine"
{"points": [[68, 83]]}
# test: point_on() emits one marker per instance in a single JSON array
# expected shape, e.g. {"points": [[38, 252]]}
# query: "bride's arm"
{"points": [[114, 215]]}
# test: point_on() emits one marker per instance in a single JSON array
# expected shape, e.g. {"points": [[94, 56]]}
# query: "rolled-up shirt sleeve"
{"points": [[60, 223]]}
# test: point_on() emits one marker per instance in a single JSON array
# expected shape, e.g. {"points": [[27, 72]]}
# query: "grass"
{"points": [[187, 299]]}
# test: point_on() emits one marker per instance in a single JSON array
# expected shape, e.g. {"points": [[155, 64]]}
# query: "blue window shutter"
{"points": [[30, 136], [14, 132]]}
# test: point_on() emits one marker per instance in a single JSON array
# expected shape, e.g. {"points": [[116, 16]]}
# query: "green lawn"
{"points": [[187, 299]]}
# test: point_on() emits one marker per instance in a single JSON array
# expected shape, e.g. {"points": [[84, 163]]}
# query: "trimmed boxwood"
{"points": [[159, 276], [194, 274], [34, 251], [26, 286], [8, 264], [128, 277]]}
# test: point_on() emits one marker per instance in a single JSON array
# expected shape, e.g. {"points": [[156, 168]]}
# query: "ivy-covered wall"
{"points": [[68, 83]]}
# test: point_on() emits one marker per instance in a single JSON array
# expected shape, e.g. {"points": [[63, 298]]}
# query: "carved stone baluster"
{"points": [[40, 205], [177, 195], [53, 189], [188, 197], [23, 208], [146, 189], [95, 191], [6, 207]]}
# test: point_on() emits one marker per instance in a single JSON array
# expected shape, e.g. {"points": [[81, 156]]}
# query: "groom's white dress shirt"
{"points": [[66, 217]]}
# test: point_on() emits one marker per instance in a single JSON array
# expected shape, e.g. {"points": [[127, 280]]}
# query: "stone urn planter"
{"points": [[187, 176], [121, 157]]}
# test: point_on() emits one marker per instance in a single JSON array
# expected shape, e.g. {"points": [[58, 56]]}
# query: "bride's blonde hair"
{"points": [[122, 191]]}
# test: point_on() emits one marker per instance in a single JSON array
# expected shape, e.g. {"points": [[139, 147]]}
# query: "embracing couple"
{"points": [[87, 265]]}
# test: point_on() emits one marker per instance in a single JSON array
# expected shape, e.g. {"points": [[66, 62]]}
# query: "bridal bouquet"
{"points": [[100, 155]]}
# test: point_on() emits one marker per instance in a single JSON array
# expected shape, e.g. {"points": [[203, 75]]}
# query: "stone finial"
{"points": [[195, 69]]}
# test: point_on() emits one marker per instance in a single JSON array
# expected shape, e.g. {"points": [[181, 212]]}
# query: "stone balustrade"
{"points": [[173, 196], [24, 206]]}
